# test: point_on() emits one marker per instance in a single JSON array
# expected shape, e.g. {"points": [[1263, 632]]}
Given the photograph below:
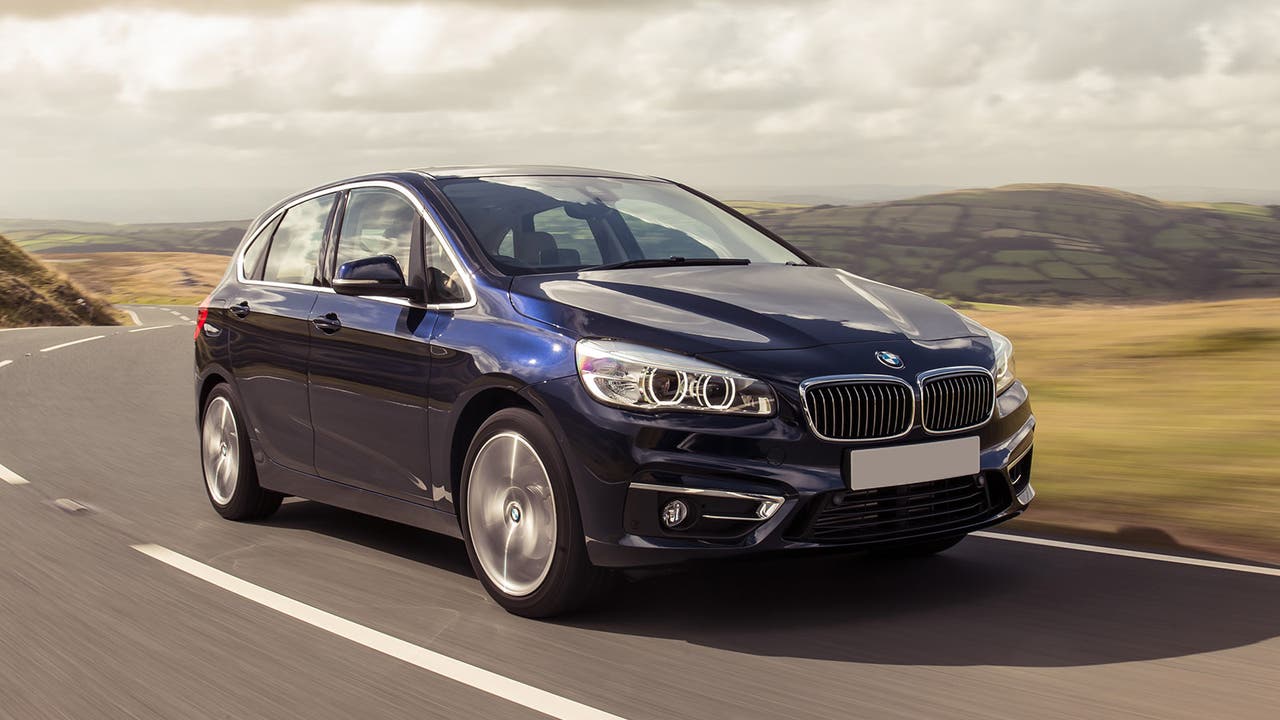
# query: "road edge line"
{"points": [[484, 680], [12, 477], [1138, 554]]}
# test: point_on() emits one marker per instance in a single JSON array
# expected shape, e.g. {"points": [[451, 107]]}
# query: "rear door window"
{"points": [[295, 246]]}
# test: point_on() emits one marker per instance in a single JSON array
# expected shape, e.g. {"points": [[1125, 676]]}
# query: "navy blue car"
{"points": [[578, 371]]}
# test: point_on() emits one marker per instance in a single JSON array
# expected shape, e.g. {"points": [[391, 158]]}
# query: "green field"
{"points": [[1163, 417], [1045, 244]]}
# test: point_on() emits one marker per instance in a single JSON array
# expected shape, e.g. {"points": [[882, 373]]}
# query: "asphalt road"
{"points": [[379, 620]]}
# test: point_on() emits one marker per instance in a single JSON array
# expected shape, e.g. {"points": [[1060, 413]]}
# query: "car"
{"points": [[579, 372]]}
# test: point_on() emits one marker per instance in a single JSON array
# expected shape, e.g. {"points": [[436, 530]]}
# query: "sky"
{"points": [[136, 110]]}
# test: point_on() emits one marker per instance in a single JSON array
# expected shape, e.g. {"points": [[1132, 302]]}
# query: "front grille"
{"points": [[901, 512], [956, 402], [866, 410]]}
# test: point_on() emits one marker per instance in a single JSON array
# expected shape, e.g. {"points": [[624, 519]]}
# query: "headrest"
{"points": [[530, 246]]}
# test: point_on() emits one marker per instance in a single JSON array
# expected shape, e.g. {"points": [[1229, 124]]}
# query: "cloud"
{"points": [[132, 96]]}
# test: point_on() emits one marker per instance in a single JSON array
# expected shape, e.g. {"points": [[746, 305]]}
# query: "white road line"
{"points": [[5, 362], [73, 342], [151, 327], [12, 477], [1102, 550], [429, 660], [134, 315], [184, 318], [174, 312]]}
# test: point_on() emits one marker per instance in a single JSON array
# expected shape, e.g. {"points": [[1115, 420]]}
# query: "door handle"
{"points": [[240, 309], [327, 324]]}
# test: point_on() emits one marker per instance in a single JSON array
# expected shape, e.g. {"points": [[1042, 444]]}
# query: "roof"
{"points": [[476, 171]]}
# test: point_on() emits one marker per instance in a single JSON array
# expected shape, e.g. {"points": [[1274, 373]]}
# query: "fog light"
{"points": [[674, 513]]}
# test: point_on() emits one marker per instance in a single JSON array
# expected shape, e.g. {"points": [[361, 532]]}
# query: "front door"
{"points": [[370, 359]]}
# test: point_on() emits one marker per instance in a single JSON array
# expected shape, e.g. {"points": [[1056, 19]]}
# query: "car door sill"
{"points": [[291, 482]]}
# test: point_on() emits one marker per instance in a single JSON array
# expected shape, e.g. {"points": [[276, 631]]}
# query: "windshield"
{"points": [[553, 224]]}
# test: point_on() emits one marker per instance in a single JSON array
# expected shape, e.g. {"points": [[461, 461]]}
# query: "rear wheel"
{"points": [[230, 477], [520, 519]]}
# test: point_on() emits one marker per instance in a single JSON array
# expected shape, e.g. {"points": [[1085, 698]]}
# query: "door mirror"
{"points": [[377, 275]]}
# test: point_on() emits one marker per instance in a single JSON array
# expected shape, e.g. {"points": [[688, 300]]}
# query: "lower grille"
{"points": [[901, 512]]}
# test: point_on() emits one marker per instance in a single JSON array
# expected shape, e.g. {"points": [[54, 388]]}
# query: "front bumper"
{"points": [[627, 465]]}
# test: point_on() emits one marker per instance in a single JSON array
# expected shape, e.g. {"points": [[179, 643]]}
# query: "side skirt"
{"points": [[290, 482]]}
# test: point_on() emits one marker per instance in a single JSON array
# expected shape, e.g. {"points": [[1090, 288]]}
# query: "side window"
{"points": [[571, 234], [295, 246], [444, 281], [257, 250], [377, 222]]}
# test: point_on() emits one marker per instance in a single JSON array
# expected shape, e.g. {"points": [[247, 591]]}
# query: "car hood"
{"points": [[707, 309]]}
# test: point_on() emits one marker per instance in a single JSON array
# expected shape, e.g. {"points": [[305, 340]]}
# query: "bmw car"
{"points": [[578, 372]]}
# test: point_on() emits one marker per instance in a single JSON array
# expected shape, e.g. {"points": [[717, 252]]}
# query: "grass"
{"points": [[158, 278], [33, 294], [1165, 416]]}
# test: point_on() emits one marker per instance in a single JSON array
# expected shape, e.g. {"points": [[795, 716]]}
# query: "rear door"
{"points": [[370, 357], [268, 326]]}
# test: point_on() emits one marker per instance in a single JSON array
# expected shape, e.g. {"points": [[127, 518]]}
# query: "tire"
{"points": [[226, 460], [528, 499], [921, 549]]}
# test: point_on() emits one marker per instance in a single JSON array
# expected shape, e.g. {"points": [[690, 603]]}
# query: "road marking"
{"points": [[5, 362], [184, 318], [134, 315], [73, 342], [151, 327], [12, 477], [429, 660], [1102, 550]]}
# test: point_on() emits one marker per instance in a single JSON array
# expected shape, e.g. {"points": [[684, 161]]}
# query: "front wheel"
{"points": [[520, 519]]}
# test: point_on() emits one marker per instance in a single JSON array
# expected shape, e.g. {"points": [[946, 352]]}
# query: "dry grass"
{"points": [[32, 294], [1165, 416], [177, 278]]}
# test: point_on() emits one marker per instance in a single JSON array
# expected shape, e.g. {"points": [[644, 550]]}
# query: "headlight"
{"points": [[640, 378], [1004, 371]]}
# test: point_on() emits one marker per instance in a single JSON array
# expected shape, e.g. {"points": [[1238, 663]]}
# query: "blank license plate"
{"points": [[907, 464]]}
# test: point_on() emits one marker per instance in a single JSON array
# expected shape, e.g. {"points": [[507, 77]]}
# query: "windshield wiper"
{"points": [[668, 262]]}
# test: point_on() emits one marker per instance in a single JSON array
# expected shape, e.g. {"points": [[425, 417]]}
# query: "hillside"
{"points": [[32, 294], [70, 236], [156, 278], [1014, 244], [1045, 243]]}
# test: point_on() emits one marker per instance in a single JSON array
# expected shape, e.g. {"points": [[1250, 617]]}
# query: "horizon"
{"points": [[850, 195]]}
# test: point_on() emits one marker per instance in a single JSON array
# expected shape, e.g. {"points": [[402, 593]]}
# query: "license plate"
{"points": [[908, 464]]}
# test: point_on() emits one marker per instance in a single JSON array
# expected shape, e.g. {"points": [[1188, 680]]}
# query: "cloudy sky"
{"points": [[145, 110]]}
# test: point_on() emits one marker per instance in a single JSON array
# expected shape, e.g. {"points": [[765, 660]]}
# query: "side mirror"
{"points": [[377, 275]]}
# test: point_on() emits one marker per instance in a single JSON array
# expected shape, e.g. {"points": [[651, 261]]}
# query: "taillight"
{"points": [[202, 314]]}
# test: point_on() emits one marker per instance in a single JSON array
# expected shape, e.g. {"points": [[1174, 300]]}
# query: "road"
{"points": [[342, 616]]}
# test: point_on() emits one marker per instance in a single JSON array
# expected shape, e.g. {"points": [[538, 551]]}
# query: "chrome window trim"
{"points": [[855, 379], [928, 375], [449, 250], [769, 504]]}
